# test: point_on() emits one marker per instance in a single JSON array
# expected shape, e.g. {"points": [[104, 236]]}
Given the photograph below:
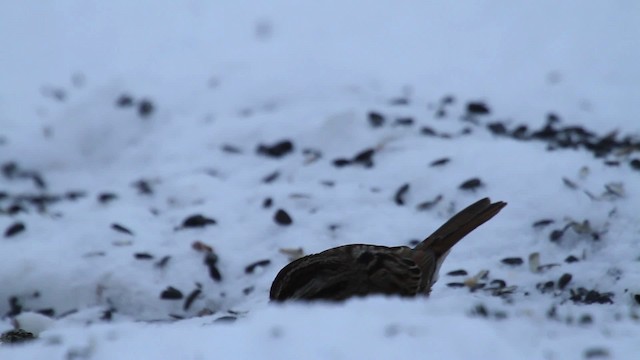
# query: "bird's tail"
{"points": [[461, 224]]}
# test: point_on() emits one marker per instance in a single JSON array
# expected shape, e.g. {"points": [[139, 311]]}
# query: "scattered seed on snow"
{"points": [[455, 285], [211, 261], [145, 108], [460, 272], [197, 221], [585, 319], [473, 283], [191, 298], [14, 209], [497, 128], [107, 315], [292, 254], [124, 100], [365, 157], [426, 205], [447, 100], [570, 184], [281, 217], [375, 119], [143, 256], [122, 243], [171, 293], [542, 223], [143, 186], [545, 287], [55, 93], [163, 261], [501, 291], [231, 149], [471, 184], [427, 131], [75, 195], [520, 132], [225, 319], [480, 310], [596, 353], [547, 267], [341, 162], [556, 234], [276, 150], [439, 162], [582, 228], [400, 194], [614, 190], [14, 229], [94, 254], [201, 247], [584, 296], [534, 262], [107, 197], [17, 336], [299, 196], [10, 169], [564, 280], [311, 155], [249, 269], [15, 307], [248, 290], [584, 172], [477, 108], [120, 228], [205, 312], [399, 101], [406, 121], [271, 177], [512, 261]]}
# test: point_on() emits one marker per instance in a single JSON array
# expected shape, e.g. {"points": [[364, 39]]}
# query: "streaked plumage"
{"points": [[360, 269]]}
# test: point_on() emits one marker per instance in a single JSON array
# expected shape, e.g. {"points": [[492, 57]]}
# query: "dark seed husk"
{"points": [[171, 293], [281, 217]]}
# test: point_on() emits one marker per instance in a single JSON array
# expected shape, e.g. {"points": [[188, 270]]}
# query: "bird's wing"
{"points": [[355, 270], [396, 271], [327, 275]]}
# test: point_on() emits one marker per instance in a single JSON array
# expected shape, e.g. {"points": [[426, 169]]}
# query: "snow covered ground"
{"points": [[120, 120]]}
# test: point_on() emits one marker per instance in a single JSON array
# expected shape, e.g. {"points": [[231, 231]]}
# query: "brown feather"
{"points": [[360, 269], [460, 225]]}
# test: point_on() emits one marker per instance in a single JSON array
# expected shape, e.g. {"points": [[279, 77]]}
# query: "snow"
{"points": [[246, 73]]}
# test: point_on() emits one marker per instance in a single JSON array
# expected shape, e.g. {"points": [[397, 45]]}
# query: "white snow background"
{"points": [[225, 77]]}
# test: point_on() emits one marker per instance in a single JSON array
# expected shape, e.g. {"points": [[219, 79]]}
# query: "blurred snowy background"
{"points": [[365, 122]]}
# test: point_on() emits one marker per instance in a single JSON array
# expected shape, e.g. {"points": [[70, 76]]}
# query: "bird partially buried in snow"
{"points": [[360, 269]]}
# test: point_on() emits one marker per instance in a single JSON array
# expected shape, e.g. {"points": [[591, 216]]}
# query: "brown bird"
{"points": [[360, 269]]}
